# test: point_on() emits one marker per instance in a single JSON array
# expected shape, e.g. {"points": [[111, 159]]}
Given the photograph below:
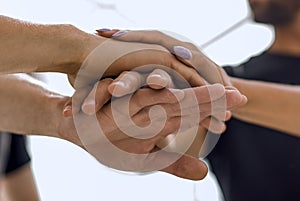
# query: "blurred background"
{"points": [[65, 172]]}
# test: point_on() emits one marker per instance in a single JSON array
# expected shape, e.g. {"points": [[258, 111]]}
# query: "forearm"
{"points": [[271, 105], [28, 108], [26, 47]]}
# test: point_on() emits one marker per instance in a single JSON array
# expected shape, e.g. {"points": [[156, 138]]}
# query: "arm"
{"points": [[27, 47], [26, 107], [272, 105], [29, 108]]}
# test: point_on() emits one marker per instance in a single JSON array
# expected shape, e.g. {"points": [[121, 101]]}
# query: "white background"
{"points": [[64, 172]]}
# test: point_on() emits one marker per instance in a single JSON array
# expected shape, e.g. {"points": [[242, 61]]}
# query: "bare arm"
{"points": [[272, 105], [27, 47], [26, 107]]}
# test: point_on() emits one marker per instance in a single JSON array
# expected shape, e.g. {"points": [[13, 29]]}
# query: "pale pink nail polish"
{"points": [[182, 52], [103, 30], [119, 33]]}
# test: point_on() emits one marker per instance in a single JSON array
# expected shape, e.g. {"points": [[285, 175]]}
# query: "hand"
{"points": [[186, 52], [212, 110], [146, 155], [130, 81], [111, 57]]}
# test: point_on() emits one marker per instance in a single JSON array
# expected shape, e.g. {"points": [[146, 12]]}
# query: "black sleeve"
{"points": [[229, 70], [17, 152]]}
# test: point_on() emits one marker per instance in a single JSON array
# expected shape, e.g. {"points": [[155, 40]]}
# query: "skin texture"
{"points": [[275, 12], [27, 47], [211, 71], [131, 81], [259, 109], [19, 185], [287, 41], [52, 120]]}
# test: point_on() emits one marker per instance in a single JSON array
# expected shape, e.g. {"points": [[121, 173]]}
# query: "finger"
{"points": [[107, 33], [234, 98], [209, 70], [211, 101], [190, 75], [228, 115], [156, 37], [171, 126], [188, 53], [147, 97], [181, 49], [182, 166], [213, 125], [151, 37], [171, 111], [193, 101], [203, 94], [98, 96], [219, 104], [79, 97], [206, 97], [127, 83], [186, 167], [67, 109], [159, 79]]}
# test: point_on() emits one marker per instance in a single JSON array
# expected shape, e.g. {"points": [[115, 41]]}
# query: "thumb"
{"points": [[186, 167]]}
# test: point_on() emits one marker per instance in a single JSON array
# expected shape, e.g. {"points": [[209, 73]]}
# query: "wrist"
{"points": [[67, 47], [63, 127], [54, 109], [241, 85]]}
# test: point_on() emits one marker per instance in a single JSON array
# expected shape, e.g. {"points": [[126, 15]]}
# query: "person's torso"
{"points": [[256, 163]]}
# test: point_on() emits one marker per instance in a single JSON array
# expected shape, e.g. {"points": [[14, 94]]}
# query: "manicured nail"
{"points": [[67, 110], [103, 30], [157, 81], [182, 52], [119, 89], [119, 33], [245, 98], [88, 106], [178, 93], [120, 84]]}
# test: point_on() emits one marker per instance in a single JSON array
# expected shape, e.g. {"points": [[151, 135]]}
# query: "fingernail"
{"points": [[178, 93], [119, 89], [157, 81], [103, 30], [119, 33], [245, 97], [182, 52], [120, 84], [66, 110], [156, 76], [88, 107]]}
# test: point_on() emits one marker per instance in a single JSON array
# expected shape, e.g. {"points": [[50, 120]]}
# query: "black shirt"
{"points": [[254, 163], [14, 155]]}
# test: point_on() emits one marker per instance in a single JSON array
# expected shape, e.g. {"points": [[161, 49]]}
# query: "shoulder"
{"points": [[243, 68]]}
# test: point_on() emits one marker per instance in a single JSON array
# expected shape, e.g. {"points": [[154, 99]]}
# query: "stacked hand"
{"points": [[186, 52], [114, 134]]}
